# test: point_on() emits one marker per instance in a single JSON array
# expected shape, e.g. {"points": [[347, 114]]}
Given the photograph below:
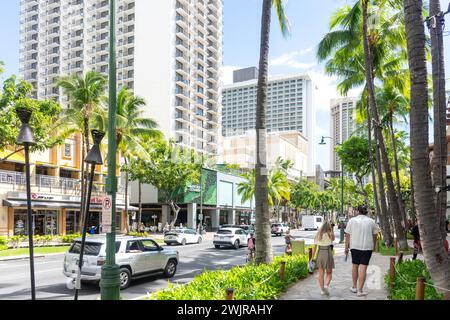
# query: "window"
{"points": [[134, 246], [149, 245], [67, 150]]}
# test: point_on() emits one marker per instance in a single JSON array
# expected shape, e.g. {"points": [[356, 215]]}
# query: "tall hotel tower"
{"points": [[168, 51]]}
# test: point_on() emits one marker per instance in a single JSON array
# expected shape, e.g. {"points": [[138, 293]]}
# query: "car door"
{"points": [[242, 237], [154, 258], [135, 255]]}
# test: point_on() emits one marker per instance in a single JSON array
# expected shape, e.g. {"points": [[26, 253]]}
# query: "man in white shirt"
{"points": [[360, 238]]}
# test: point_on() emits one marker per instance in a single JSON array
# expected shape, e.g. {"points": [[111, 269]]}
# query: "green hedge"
{"points": [[70, 237], [250, 282], [410, 270]]}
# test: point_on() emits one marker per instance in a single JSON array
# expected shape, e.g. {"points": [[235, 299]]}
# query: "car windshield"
{"points": [[224, 232]]}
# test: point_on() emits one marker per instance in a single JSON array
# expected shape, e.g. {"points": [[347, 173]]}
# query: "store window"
{"points": [[45, 222], [72, 221], [223, 219]]}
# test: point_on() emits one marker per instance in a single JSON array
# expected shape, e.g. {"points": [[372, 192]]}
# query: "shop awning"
{"points": [[70, 168], [58, 205], [46, 164]]}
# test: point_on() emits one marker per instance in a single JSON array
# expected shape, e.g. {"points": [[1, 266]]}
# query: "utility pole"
{"points": [[110, 282]]}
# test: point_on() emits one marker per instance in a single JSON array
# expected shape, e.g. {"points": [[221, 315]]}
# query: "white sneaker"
{"points": [[354, 290], [323, 292], [325, 289], [361, 294]]}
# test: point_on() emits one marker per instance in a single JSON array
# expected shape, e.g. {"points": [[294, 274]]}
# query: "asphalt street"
{"points": [[194, 259]]}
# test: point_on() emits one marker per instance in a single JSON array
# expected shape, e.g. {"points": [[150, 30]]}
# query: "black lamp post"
{"points": [[94, 157], [26, 138]]}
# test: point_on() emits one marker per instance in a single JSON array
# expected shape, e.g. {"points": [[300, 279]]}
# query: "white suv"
{"points": [[235, 237], [137, 258], [182, 236]]}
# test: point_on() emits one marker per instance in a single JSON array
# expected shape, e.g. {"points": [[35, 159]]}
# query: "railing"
{"points": [[42, 183]]}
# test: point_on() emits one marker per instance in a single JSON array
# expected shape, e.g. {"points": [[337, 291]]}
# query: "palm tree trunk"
{"points": [[436, 259], [85, 171], [82, 194], [397, 171], [392, 194], [127, 226], [263, 235], [140, 202], [439, 103], [381, 205]]}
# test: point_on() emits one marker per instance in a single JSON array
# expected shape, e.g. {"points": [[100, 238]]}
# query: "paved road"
{"points": [[50, 282]]}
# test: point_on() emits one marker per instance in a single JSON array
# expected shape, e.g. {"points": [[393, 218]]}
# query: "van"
{"points": [[312, 222]]}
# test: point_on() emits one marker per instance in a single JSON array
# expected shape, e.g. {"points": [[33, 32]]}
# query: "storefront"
{"points": [[244, 217], [54, 214]]}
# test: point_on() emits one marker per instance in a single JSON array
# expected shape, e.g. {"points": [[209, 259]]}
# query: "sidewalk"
{"points": [[308, 289]]}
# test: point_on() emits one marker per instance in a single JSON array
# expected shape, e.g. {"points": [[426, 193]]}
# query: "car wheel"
{"points": [[183, 242], [171, 269], [199, 240], [236, 244], [125, 278], [216, 246]]}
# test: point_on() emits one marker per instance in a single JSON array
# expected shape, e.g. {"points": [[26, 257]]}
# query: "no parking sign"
{"points": [[107, 214]]}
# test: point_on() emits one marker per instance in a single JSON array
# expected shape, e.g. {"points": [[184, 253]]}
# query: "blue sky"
{"points": [[294, 54]]}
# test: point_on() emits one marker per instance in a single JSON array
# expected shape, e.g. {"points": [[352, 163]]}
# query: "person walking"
{"points": [[325, 261], [416, 236], [288, 240], [251, 246], [360, 237]]}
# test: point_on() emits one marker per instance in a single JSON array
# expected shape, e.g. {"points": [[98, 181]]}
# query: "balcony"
{"points": [[48, 184]]}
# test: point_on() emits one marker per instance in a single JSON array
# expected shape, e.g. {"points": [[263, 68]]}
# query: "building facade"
{"points": [[55, 192], [289, 145], [343, 124], [290, 108], [168, 52], [218, 204]]}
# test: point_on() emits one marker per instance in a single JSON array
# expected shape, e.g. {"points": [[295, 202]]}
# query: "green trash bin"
{"points": [[298, 246]]}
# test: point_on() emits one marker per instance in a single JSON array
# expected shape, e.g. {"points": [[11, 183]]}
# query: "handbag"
{"points": [[311, 266]]}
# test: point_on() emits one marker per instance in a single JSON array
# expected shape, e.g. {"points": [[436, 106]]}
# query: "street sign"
{"points": [[107, 214]]}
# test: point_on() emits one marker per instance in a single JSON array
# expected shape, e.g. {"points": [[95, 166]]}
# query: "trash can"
{"points": [[298, 247]]}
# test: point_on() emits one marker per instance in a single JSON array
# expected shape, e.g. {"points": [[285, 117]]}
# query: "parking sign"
{"points": [[107, 214]]}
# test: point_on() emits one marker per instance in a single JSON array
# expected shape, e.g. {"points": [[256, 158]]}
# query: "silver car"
{"points": [[137, 258]]}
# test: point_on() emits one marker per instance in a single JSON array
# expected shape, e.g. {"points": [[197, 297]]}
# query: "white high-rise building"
{"points": [[168, 52], [289, 108], [343, 124]]}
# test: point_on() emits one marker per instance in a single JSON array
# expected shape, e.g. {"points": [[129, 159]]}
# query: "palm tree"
{"points": [[263, 235], [436, 259], [352, 60], [85, 94], [440, 109], [132, 131]]}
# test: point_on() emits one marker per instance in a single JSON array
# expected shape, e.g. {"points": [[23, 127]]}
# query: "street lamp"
{"points": [[26, 138], [154, 219], [94, 157], [110, 282], [322, 142]]}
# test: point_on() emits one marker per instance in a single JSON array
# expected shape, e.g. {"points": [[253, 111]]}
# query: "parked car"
{"points": [[279, 228], [234, 237], [182, 236], [312, 222], [137, 257]]}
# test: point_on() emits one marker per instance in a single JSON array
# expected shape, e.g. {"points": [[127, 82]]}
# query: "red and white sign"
{"points": [[107, 214]]}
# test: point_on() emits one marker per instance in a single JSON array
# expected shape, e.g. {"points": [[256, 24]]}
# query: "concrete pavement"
{"points": [[308, 289]]}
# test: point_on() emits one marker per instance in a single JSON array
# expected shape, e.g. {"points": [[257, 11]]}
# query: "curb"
{"points": [[17, 258]]}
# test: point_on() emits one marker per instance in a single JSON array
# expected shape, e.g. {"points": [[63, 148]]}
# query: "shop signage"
{"points": [[107, 214], [51, 197]]}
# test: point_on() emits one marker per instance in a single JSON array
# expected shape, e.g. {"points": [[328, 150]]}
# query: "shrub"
{"points": [[15, 241], [250, 282], [3, 247], [3, 241], [69, 238], [410, 270]]}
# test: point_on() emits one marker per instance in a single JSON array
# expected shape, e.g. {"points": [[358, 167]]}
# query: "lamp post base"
{"points": [[341, 240], [110, 283]]}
